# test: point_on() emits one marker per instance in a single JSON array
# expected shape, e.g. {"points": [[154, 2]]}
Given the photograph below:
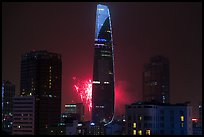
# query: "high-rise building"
{"points": [[103, 68], [41, 74], [156, 80], [153, 118], [8, 92]]}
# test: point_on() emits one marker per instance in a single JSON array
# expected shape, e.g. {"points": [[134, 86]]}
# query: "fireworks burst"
{"points": [[84, 90]]}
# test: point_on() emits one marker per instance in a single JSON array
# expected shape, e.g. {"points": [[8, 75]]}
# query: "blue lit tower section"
{"points": [[103, 69]]}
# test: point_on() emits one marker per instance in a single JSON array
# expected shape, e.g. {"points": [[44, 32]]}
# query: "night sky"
{"points": [[140, 30]]}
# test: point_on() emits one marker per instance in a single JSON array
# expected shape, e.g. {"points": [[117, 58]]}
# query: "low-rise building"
{"points": [[23, 115], [153, 118]]}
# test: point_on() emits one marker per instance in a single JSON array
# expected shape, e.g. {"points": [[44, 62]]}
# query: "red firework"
{"points": [[84, 90]]}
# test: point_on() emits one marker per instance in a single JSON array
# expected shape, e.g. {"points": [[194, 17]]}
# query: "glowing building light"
{"points": [[194, 119], [101, 40], [100, 9], [92, 124], [73, 106], [148, 132], [134, 132], [140, 132], [182, 118], [79, 125], [96, 82], [134, 125], [140, 118]]}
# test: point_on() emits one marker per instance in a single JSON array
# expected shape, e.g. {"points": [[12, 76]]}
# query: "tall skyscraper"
{"points": [[41, 74], [8, 92], [103, 69], [156, 80]]}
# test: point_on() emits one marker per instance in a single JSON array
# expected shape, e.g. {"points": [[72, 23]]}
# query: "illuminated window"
{"points": [[140, 132], [148, 132], [182, 125], [79, 124], [96, 82], [140, 118], [134, 125], [100, 9], [70, 105], [134, 132], [105, 55], [182, 118]]}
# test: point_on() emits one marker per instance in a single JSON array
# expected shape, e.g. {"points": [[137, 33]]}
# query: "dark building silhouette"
{"points": [[76, 110], [156, 80], [41, 74], [103, 69], [8, 92], [200, 114]]}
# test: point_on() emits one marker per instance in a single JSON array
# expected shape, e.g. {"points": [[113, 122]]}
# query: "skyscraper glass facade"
{"points": [[103, 69]]}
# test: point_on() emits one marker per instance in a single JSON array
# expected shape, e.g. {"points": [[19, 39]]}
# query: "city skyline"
{"points": [[140, 30]]}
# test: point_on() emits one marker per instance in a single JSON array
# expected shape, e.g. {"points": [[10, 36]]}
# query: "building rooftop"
{"points": [[160, 104]]}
